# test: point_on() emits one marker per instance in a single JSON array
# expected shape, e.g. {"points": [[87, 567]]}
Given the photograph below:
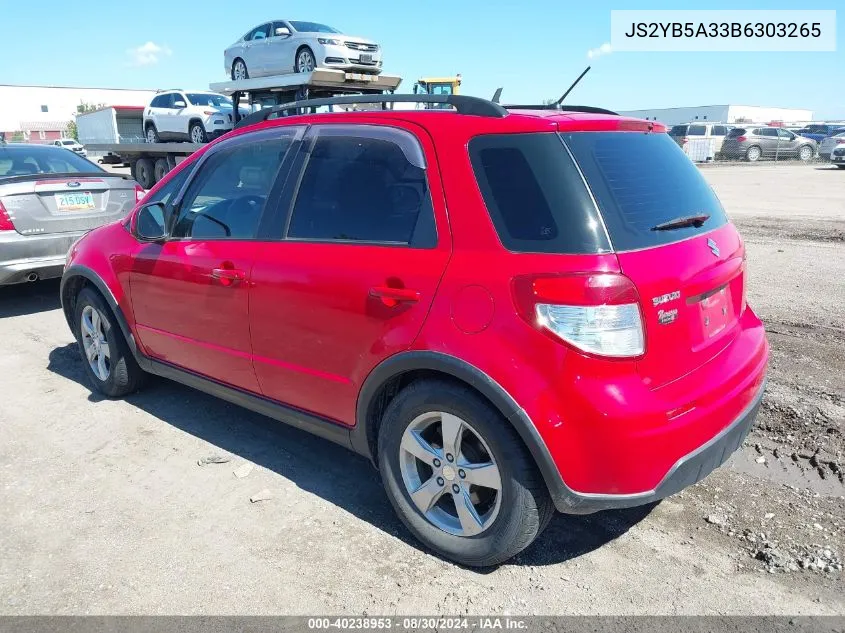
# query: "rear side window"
{"points": [[678, 130], [359, 188], [768, 131], [697, 130], [535, 196], [719, 130], [641, 181]]}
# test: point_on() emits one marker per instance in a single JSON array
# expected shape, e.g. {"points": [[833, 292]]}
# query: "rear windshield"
{"points": [[737, 131], [20, 160], [641, 181], [535, 195]]}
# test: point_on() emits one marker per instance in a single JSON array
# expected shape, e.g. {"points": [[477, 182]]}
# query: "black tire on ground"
{"points": [[239, 63], [196, 133], [160, 169], [125, 376], [525, 506], [301, 53], [143, 173], [753, 154], [151, 134]]}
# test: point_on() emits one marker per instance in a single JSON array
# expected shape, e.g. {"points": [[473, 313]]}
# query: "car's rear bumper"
{"points": [[616, 440], [688, 470], [22, 256]]}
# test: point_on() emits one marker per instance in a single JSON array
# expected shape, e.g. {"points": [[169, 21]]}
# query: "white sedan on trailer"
{"points": [[284, 46]]}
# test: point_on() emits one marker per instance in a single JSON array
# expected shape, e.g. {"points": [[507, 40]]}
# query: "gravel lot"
{"points": [[106, 509]]}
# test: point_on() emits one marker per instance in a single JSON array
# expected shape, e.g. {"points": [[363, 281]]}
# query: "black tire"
{"points": [[125, 376], [196, 133], [151, 134], [753, 154], [526, 507], [160, 169], [301, 52], [143, 173], [235, 64]]}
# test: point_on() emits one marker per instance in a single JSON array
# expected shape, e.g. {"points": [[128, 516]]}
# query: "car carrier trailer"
{"points": [[150, 162]]}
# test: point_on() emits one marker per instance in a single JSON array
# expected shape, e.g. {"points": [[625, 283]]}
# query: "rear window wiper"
{"points": [[682, 222]]}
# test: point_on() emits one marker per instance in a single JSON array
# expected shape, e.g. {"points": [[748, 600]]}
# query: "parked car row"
{"points": [[719, 141]]}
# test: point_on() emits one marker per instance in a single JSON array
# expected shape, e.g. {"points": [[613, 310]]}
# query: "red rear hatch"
{"points": [[673, 241]]}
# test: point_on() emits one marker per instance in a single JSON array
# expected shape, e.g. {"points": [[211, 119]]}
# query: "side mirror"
{"points": [[150, 225], [282, 31], [179, 104]]}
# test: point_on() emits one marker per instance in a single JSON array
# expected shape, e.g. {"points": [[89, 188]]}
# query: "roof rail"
{"points": [[462, 103], [562, 108]]}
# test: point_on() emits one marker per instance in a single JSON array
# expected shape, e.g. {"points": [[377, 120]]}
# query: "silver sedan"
{"points": [[291, 46], [49, 197]]}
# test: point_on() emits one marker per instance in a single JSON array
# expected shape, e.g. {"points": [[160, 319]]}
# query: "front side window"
{"points": [[226, 198], [786, 135], [363, 189]]}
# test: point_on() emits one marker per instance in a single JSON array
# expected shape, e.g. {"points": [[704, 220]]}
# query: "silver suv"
{"points": [[755, 143]]}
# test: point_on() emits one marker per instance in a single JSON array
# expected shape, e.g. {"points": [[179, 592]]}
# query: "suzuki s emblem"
{"points": [[73, 184], [713, 246]]}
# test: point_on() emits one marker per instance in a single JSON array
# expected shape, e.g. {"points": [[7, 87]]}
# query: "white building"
{"points": [[42, 113], [723, 114]]}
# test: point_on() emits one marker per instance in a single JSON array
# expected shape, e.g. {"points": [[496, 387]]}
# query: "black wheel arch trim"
{"points": [[78, 270], [436, 361]]}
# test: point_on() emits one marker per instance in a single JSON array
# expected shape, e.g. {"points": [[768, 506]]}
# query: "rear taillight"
{"points": [[6, 223], [741, 139], [598, 314], [139, 193], [840, 141], [684, 140]]}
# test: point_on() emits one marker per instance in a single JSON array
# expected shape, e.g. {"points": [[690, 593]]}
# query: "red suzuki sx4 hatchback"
{"points": [[509, 311]]}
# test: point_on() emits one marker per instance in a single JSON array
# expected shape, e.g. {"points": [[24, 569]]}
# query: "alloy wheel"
{"points": [[240, 71], [151, 135], [196, 134], [95, 343], [450, 473], [805, 153], [304, 61]]}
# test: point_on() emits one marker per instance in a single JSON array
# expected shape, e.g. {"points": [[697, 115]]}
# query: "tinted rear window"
{"points": [[697, 130], [535, 195], [678, 130], [737, 131], [640, 181]]}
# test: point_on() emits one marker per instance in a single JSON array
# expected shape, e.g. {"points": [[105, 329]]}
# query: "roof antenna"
{"points": [[574, 83], [496, 95]]}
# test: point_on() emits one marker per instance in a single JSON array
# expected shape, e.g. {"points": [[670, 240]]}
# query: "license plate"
{"points": [[366, 58], [82, 201], [716, 312]]}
